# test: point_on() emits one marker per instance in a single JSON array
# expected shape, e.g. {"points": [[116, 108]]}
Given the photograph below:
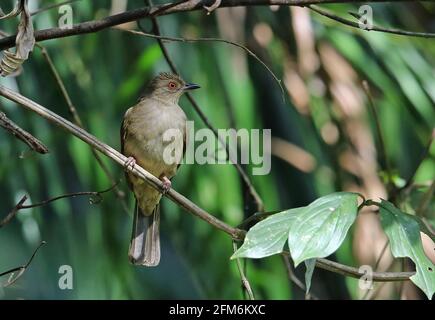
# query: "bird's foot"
{"points": [[130, 163], [166, 184]]}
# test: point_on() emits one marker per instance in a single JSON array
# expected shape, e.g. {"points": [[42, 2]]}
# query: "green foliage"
{"points": [[105, 72], [316, 231], [320, 228], [404, 235], [309, 265], [267, 237]]}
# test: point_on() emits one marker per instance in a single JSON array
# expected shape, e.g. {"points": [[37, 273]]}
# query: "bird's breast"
{"points": [[151, 128]]}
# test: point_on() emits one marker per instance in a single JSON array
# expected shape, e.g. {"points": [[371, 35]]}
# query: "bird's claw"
{"points": [[130, 163], [166, 184]]}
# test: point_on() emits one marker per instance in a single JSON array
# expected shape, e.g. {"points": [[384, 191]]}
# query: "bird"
{"points": [[142, 142]]}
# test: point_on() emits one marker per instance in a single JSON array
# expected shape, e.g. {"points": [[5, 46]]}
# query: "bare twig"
{"points": [[424, 155], [242, 173], [96, 200], [424, 204], [22, 134], [245, 282], [20, 205], [235, 233], [13, 212], [428, 225], [77, 120], [378, 261], [166, 7], [355, 273], [293, 278], [52, 6], [20, 269], [187, 40], [120, 159], [137, 14], [353, 24], [385, 164]]}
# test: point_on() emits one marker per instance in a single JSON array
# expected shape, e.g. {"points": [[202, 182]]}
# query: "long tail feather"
{"points": [[145, 238]]}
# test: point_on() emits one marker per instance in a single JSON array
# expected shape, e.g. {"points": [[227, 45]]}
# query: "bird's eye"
{"points": [[172, 85]]}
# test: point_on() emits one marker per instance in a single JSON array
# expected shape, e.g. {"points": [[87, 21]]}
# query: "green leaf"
{"points": [[320, 228], [267, 237], [314, 231], [404, 235], [309, 264]]}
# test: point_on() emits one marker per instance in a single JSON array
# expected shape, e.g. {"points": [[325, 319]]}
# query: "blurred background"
{"points": [[323, 140]]}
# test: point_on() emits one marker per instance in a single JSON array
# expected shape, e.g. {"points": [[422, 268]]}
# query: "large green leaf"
{"points": [[314, 231], [404, 235], [320, 228], [267, 237]]}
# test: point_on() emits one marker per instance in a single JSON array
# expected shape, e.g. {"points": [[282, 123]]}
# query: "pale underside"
{"points": [[143, 129]]}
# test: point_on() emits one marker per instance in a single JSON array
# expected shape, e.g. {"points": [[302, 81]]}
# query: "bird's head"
{"points": [[169, 87]]}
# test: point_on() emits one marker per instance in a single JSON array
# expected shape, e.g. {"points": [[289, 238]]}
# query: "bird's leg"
{"points": [[167, 184], [130, 163]]}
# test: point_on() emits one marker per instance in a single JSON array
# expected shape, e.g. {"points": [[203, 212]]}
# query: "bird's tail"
{"points": [[145, 238]]}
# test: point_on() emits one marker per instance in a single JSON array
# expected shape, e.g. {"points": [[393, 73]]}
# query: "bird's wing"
{"points": [[184, 146], [124, 134]]}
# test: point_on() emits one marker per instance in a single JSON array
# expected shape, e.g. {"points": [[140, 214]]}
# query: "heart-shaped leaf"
{"points": [[404, 235]]}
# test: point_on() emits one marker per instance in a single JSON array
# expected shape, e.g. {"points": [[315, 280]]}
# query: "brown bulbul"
{"points": [[142, 140]]}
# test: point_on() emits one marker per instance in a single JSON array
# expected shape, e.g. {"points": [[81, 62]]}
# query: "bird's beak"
{"points": [[191, 86]]}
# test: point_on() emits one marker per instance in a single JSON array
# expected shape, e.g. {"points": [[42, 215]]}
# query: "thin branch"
{"points": [[428, 225], [189, 206], [120, 159], [245, 282], [52, 6], [137, 14], [97, 194], [20, 205], [256, 217], [293, 278], [242, 173], [21, 269], [165, 7], [13, 212], [424, 155], [77, 120], [187, 40], [378, 261], [22, 134], [354, 24], [425, 202], [355, 273], [385, 164], [372, 294]]}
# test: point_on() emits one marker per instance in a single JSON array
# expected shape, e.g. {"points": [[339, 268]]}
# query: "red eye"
{"points": [[172, 85]]}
